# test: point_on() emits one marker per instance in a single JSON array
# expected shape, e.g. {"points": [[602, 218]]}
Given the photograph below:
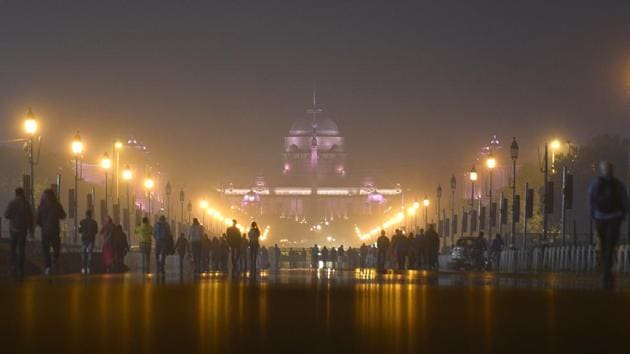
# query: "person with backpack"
{"points": [[608, 202], [88, 228], [164, 244], [144, 232], [20, 216], [49, 214]]}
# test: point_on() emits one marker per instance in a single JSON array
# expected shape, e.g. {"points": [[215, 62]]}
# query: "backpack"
{"points": [[608, 198]]}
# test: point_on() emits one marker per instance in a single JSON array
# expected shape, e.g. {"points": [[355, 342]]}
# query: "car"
{"points": [[465, 255]]}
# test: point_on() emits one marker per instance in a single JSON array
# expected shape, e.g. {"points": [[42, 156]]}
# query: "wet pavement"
{"points": [[315, 312]]}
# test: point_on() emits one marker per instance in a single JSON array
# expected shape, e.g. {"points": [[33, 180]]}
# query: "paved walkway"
{"points": [[315, 312]]}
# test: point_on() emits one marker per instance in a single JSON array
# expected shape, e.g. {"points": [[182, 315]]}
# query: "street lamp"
{"points": [[439, 197], [117, 147], [168, 191], [426, 203], [555, 145], [77, 150], [106, 164], [473, 178], [491, 163], [30, 128], [182, 197], [204, 205], [514, 156], [127, 175], [189, 210], [148, 185], [453, 186]]}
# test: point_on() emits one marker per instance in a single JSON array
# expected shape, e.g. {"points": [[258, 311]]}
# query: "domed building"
{"points": [[314, 187]]}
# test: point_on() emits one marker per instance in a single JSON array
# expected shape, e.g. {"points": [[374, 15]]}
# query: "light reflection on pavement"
{"points": [[302, 311]]}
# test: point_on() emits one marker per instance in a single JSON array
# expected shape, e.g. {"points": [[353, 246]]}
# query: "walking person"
{"points": [[88, 228], [432, 244], [233, 235], [20, 216], [49, 214], [382, 244], [120, 247], [253, 235], [495, 251], [608, 202], [144, 233], [181, 247], [195, 235], [107, 231], [163, 243]]}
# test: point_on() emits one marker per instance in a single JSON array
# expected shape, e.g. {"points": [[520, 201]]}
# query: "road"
{"points": [[301, 311]]}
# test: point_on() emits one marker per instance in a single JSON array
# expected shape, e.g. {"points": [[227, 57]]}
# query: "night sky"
{"points": [[417, 88]]}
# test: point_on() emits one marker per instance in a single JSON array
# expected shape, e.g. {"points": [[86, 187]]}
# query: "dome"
{"points": [[323, 126]]}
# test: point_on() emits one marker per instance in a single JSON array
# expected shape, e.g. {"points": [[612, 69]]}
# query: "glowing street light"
{"points": [[106, 164], [77, 150], [203, 204], [491, 163], [30, 128], [148, 185], [473, 178], [426, 203], [127, 176]]}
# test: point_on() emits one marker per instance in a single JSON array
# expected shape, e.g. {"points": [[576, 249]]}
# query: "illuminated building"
{"points": [[313, 188]]}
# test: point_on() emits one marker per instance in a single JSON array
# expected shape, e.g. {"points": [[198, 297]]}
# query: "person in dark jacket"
{"points": [[432, 244], [162, 235], [49, 213], [120, 247], [233, 236], [382, 243], [88, 228], [608, 202], [20, 216], [254, 246], [181, 247]]}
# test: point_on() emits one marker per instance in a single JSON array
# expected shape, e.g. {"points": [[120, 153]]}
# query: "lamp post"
{"points": [[204, 205], [473, 179], [77, 150], [491, 163], [106, 164], [30, 127], [189, 210], [117, 147], [416, 205], [439, 198], [182, 197], [453, 186], [426, 203], [514, 155], [168, 190], [148, 185], [127, 175]]}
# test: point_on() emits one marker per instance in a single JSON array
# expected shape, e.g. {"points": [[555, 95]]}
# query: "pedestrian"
{"points": [[49, 214], [363, 251], [608, 202], [341, 254], [253, 235], [144, 233], [205, 252], [432, 244], [333, 257], [382, 244], [315, 257], [495, 250], [181, 247], [399, 242], [264, 258], [325, 256], [88, 228], [195, 235], [412, 256], [107, 251], [120, 247], [233, 235], [20, 216], [243, 256], [276, 257], [163, 243], [421, 250]]}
